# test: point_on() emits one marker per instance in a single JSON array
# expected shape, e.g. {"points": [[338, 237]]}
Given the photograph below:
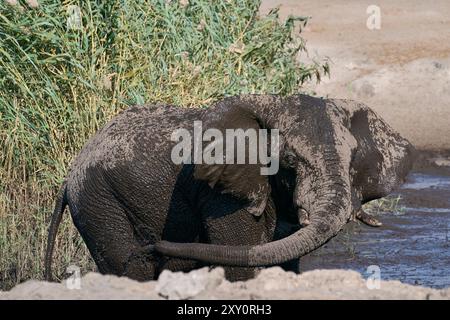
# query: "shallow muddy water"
{"points": [[412, 246]]}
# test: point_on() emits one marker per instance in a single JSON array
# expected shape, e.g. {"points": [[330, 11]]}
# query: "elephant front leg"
{"points": [[236, 229]]}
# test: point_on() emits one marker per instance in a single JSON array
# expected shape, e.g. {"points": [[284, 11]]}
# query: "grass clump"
{"points": [[68, 67], [390, 204]]}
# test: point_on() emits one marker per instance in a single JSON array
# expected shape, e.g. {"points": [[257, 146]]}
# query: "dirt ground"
{"points": [[272, 283], [401, 70]]}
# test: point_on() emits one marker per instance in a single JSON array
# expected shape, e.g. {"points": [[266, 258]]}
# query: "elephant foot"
{"points": [[234, 274], [366, 218]]}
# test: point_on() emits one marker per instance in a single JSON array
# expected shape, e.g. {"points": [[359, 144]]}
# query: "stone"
{"points": [[205, 283], [179, 285]]}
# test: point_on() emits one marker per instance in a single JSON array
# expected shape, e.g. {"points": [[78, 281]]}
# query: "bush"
{"points": [[61, 78]]}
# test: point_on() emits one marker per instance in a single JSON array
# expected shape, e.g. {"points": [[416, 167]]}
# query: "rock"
{"points": [[442, 162], [273, 279], [92, 286], [271, 283], [179, 285], [351, 66]]}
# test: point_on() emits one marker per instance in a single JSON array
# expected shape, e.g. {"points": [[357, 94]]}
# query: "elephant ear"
{"points": [[241, 180]]}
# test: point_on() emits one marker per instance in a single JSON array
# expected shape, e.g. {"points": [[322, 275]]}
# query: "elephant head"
{"points": [[341, 153]]}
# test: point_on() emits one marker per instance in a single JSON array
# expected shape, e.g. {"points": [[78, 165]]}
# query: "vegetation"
{"points": [[390, 204], [62, 75]]}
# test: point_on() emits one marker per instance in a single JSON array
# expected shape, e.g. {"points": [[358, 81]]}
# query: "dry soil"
{"points": [[401, 70]]}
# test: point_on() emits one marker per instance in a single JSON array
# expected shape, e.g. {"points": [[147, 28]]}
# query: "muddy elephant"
{"points": [[139, 212]]}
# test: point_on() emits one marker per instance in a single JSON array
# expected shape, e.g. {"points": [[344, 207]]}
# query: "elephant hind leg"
{"points": [[111, 241], [122, 255], [140, 266]]}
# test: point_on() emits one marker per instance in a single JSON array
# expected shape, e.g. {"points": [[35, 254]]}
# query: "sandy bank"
{"points": [[401, 70], [271, 283]]}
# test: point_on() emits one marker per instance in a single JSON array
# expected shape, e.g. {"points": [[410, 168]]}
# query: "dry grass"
{"points": [[390, 204]]}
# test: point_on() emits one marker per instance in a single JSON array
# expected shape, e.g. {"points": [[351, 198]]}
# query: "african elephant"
{"points": [[139, 212]]}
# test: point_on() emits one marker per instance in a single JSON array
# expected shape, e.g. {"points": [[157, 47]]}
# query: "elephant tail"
{"points": [[61, 202]]}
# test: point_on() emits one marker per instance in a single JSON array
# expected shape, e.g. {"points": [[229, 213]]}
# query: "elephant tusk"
{"points": [[367, 219], [303, 217]]}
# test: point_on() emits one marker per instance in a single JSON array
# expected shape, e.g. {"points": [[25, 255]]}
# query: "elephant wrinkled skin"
{"points": [[140, 213]]}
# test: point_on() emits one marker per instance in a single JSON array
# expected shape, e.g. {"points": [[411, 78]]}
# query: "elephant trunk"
{"points": [[328, 217]]}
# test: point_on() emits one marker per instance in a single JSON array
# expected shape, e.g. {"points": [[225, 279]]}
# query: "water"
{"points": [[412, 246]]}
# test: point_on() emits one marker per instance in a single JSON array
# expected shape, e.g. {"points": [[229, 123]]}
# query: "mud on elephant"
{"points": [[140, 213]]}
